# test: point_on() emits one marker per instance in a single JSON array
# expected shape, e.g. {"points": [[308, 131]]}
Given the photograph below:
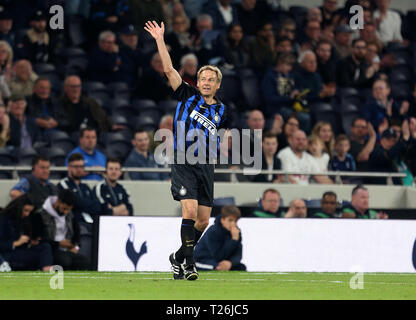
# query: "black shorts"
{"points": [[193, 182]]}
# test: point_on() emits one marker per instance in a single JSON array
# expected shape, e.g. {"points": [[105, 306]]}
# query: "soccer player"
{"points": [[192, 184]]}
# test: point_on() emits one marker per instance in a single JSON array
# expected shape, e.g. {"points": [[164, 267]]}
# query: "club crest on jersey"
{"points": [[216, 117], [204, 121], [182, 191]]}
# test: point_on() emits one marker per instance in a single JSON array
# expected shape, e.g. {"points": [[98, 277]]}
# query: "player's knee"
{"points": [[201, 224]]}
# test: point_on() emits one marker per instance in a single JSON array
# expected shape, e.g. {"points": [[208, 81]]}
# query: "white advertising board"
{"points": [[274, 245]]}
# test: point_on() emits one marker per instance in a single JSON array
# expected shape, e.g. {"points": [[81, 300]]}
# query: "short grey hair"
{"points": [[203, 17], [105, 34], [189, 56], [303, 54]]}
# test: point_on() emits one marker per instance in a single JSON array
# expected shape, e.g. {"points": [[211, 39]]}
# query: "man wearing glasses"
{"points": [[329, 206]]}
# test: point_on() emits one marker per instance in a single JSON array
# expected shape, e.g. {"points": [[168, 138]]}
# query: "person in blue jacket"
{"points": [[220, 248]]}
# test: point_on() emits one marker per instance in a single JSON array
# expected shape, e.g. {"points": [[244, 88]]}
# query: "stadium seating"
{"points": [[167, 106], [6, 158], [119, 90], [24, 156]]}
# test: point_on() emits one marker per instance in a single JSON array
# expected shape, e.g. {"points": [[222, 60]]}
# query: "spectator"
{"points": [[132, 57], [153, 84], [166, 122], [179, 40], [203, 37], [363, 139], [342, 41], [222, 13], [104, 61], [35, 45], [369, 34], [278, 86], [270, 161], [4, 126], [78, 7], [289, 128], [113, 198], [6, 60], [329, 206], [287, 29], [342, 160], [388, 22], [143, 11], [86, 205], [269, 205], [380, 108], [314, 14], [283, 44], [23, 130], [297, 209], [236, 52], [42, 107], [189, 68], [328, 9], [141, 157], [326, 63], [249, 11], [353, 71], [6, 25], [220, 248], [94, 159], [262, 48], [359, 206], [171, 9], [36, 184], [108, 15], [18, 246], [61, 230], [295, 158], [323, 130], [23, 78], [312, 34], [316, 148], [387, 156], [79, 111]]}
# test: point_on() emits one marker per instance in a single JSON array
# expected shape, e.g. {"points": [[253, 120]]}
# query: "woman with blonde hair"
{"points": [[323, 130]]}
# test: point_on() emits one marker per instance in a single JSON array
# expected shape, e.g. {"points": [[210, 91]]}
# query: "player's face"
{"points": [[113, 171], [208, 83], [229, 222], [329, 204]]}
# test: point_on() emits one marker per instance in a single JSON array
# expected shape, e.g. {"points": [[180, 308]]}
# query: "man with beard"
{"points": [[353, 71], [61, 230], [113, 198], [35, 45]]}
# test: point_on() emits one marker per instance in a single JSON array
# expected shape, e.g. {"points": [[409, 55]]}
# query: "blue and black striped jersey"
{"points": [[194, 115]]}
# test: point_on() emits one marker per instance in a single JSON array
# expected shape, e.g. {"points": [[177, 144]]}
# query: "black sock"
{"points": [[186, 251], [198, 235]]}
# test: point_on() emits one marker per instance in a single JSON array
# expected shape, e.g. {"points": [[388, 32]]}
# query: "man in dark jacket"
{"points": [[220, 247], [61, 230], [104, 61], [23, 130], [42, 107], [80, 111], [37, 183], [353, 71]]}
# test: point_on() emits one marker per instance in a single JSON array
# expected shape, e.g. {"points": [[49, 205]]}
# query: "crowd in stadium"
{"points": [[325, 96], [285, 71]]}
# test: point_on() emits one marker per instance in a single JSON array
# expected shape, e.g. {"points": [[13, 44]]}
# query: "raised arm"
{"points": [[157, 33]]}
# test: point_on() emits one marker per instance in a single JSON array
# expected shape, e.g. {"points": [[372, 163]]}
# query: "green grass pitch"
{"points": [[210, 286]]}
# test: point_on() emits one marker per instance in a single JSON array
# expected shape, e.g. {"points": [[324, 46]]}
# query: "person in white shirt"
{"points": [[316, 148], [295, 158], [388, 22]]}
